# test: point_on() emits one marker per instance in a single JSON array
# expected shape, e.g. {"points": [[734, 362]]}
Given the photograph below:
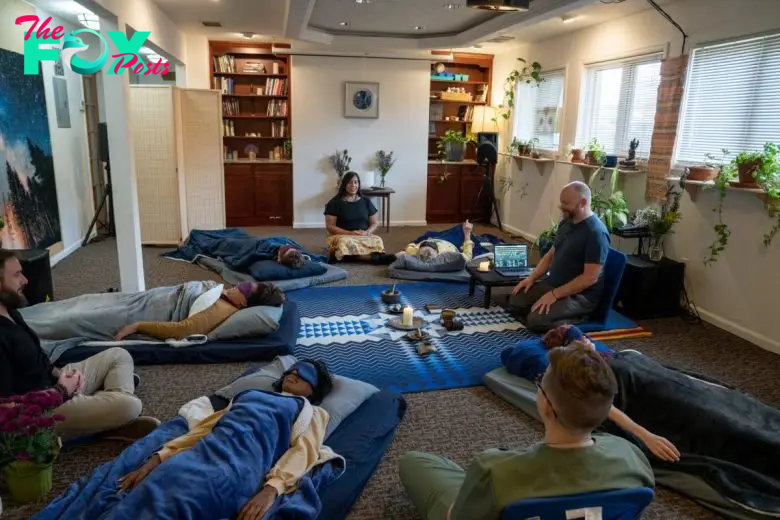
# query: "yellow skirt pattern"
{"points": [[354, 245]]}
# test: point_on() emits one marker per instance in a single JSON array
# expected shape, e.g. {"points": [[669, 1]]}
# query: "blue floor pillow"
{"points": [[528, 359], [270, 270]]}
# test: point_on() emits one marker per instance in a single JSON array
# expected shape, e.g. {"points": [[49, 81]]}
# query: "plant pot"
{"points": [[390, 297], [27, 481], [577, 155], [701, 173], [592, 157], [611, 161], [745, 171], [545, 244], [523, 151], [656, 249], [454, 150]]}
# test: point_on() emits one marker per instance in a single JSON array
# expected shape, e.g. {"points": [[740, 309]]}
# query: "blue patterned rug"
{"points": [[346, 327]]}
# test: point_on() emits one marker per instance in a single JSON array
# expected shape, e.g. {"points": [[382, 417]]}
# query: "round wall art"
{"points": [[361, 100]]}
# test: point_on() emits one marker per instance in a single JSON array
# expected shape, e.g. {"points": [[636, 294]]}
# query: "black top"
{"points": [[586, 242], [351, 216], [24, 367]]}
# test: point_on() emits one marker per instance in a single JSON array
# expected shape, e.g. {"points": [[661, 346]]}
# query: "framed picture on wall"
{"points": [[361, 99]]}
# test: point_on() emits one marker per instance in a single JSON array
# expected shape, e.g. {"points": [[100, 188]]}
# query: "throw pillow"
{"points": [[248, 323]]}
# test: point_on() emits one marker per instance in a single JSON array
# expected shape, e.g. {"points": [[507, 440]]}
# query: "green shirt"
{"points": [[497, 478]]}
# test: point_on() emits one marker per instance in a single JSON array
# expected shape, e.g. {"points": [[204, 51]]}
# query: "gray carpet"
{"points": [[483, 420]]}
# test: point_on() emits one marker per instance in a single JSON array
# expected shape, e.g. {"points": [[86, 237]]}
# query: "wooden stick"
{"points": [[393, 291]]}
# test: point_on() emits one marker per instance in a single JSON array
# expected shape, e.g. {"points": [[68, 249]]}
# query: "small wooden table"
{"points": [[488, 280], [384, 194]]}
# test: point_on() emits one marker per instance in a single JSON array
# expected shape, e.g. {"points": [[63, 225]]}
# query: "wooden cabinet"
{"points": [[455, 198], [258, 194]]}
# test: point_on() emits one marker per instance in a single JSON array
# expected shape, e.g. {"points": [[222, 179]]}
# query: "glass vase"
{"points": [[656, 250], [382, 181]]}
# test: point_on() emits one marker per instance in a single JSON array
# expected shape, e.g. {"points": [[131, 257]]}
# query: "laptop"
{"points": [[511, 260]]}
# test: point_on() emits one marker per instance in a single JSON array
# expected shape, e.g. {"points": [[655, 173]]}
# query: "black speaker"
{"points": [[36, 267], [103, 141], [651, 289], [487, 137]]}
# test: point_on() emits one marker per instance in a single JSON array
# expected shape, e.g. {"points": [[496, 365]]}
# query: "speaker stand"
{"points": [[487, 186]]}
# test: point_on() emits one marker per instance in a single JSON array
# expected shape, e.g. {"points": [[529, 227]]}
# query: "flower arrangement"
{"points": [[669, 216], [384, 161], [27, 427], [340, 162]]}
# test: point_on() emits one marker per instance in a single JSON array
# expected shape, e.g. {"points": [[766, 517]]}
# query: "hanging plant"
{"points": [[722, 231], [530, 74]]}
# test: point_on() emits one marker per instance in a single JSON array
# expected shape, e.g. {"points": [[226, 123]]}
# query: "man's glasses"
{"points": [[538, 384]]}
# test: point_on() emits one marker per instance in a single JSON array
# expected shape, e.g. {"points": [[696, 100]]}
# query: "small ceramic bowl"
{"points": [[448, 315], [389, 296], [395, 308]]}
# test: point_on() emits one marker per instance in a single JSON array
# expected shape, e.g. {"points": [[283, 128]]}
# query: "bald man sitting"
{"points": [[568, 282]]}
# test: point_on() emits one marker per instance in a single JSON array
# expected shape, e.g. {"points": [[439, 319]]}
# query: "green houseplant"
{"points": [[546, 238], [595, 152], [28, 444], [452, 145], [611, 208], [528, 73], [768, 178], [384, 161]]}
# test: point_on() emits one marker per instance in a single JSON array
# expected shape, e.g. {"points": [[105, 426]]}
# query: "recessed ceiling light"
{"points": [[344, 24], [500, 5], [452, 6], [419, 27], [569, 18], [156, 58], [89, 20], [362, 1], [247, 35]]}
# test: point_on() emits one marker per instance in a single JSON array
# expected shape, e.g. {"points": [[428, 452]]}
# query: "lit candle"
{"points": [[484, 266], [408, 317]]}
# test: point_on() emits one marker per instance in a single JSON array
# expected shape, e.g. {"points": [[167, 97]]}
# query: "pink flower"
{"points": [[22, 456], [32, 409], [58, 417]]}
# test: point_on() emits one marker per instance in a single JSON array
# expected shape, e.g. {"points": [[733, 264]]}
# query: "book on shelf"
{"points": [[275, 68], [275, 87], [279, 129], [228, 128], [230, 107], [224, 64], [224, 85], [253, 67], [277, 108]]}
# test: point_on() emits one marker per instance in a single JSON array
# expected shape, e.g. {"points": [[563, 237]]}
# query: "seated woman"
{"points": [[350, 220], [232, 300], [307, 379], [430, 248], [728, 438]]}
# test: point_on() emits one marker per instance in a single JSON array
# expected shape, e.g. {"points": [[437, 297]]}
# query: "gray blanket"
{"points": [[62, 325]]}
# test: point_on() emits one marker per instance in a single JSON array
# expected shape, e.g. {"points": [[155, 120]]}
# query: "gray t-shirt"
{"points": [[586, 242]]}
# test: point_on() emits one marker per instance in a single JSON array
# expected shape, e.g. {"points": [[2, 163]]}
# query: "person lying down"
{"points": [[232, 300], [307, 380]]}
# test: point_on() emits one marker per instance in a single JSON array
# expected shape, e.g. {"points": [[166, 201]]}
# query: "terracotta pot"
{"points": [[746, 170], [701, 173], [592, 157], [577, 155]]}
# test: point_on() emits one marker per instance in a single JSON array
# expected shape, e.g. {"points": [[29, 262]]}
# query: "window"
{"points": [[732, 99], [618, 104], [540, 111]]}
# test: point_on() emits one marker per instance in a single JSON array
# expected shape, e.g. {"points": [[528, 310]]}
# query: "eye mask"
{"points": [[306, 371], [245, 288]]}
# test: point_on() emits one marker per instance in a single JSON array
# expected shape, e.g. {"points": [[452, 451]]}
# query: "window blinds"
{"points": [[540, 109], [619, 104], [732, 99]]}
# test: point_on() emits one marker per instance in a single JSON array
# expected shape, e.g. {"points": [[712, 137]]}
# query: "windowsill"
{"points": [[586, 166], [694, 187]]}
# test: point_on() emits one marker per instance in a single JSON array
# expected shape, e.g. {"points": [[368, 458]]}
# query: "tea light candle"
{"points": [[484, 266], [408, 318]]}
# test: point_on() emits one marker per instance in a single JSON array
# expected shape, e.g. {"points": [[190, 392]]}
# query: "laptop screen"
{"points": [[511, 256]]}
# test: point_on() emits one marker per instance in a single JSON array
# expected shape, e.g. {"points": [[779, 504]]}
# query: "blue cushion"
{"points": [[528, 359], [269, 270], [619, 504]]}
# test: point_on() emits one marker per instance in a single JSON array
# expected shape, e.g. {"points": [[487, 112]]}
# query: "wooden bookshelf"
{"points": [[455, 198], [256, 126]]}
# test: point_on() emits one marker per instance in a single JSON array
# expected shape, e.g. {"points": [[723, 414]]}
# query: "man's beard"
{"points": [[12, 299]]}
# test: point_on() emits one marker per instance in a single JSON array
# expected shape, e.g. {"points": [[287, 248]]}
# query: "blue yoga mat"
{"points": [[346, 327]]}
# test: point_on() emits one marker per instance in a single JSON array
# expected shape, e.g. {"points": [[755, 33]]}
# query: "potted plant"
{"points": [[546, 238], [612, 208], [722, 233], [526, 74], [28, 444], [661, 224], [747, 163], [384, 161], [595, 152], [768, 178], [709, 170], [287, 149], [452, 146], [340, 162], [577, 154]]}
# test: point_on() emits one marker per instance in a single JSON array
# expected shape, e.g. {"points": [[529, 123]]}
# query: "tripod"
{"points": [[487, 186], [108, 198]]}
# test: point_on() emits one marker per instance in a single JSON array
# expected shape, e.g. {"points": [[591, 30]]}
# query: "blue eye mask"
{"points": [[306, 371], [573, 334]]}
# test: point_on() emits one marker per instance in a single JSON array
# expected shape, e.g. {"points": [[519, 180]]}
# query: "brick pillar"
{"points": [[667, 118]]}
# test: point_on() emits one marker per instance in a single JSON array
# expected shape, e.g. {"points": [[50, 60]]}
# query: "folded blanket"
{"points": [[245, 253], [212, 480], [528, 359], [62, 325], [455, 236]]}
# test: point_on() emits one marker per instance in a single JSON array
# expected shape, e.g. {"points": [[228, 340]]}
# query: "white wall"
{"points": [[197, 60], [69, 145], [740, 293], [319, 128]]}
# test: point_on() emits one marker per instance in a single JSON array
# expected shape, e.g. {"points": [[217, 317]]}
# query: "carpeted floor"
{"points": [[483, 420]]}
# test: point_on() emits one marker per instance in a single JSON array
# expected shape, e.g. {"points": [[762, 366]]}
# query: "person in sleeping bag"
{"points": [[232, 300], [309, 379], [430, 248]]}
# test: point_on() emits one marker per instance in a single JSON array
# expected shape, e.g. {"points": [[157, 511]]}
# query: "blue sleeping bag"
{"points": [[210, 481], [528, 359]]}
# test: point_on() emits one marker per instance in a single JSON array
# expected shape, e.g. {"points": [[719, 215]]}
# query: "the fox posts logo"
{"points": [[59, 43]]}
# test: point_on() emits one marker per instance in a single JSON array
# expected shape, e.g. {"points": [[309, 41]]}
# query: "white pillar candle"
{"points": [[484, 266], [408, 317]]}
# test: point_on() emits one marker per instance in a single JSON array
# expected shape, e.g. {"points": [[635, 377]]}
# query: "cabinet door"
{"points": [[239, 195], [443, 199], [273, 198], [474, 202]]}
